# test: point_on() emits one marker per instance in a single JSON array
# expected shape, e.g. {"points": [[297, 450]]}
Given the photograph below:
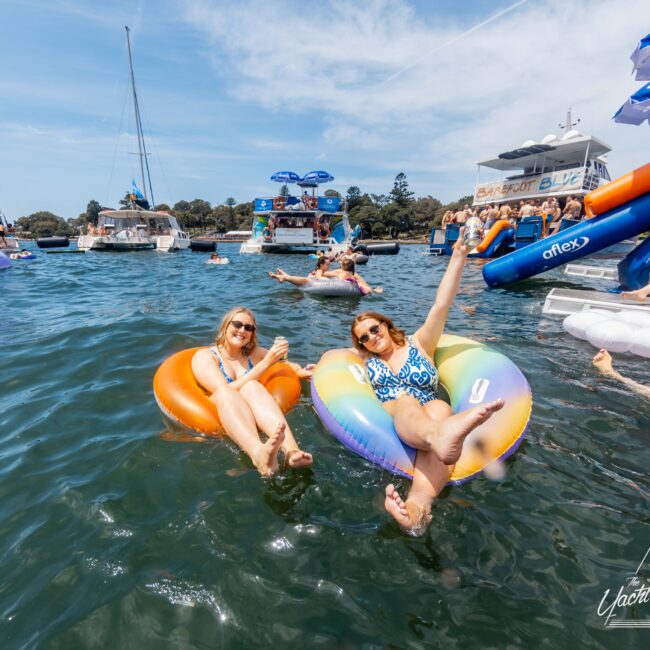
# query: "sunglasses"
{"points": [[237, 324], [364, 338]]}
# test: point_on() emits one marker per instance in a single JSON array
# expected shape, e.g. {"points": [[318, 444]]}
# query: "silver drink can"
{"points": [[282, 339], [473, 232]]}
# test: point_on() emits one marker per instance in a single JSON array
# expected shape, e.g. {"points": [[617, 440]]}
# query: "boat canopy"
{"points": [[557, 153]]}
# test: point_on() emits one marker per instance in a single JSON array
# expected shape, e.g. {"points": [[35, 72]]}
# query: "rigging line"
{"points": [[453, 40]]}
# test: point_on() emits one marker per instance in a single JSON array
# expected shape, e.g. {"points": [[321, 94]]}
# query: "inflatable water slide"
{"points": [[616, 211]]}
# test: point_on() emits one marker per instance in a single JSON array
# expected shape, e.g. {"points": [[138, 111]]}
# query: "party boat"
{"points": [[301, 223], [9, 244], [572, 164], [137, 226]]}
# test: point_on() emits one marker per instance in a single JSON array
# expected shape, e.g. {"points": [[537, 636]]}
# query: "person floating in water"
{"points": [[405, 379], [230, 371], [603, 362]]}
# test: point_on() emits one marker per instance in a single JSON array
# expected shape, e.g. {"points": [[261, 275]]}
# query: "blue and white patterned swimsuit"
{"points": [[229, 379], [417, 377]]}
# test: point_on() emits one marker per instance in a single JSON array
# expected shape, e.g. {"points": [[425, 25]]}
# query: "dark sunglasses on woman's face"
{"points": [[237, 324], [364, 338]]}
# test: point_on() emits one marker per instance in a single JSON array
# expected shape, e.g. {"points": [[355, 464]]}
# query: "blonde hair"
{"points": [[397, 335], [227, 319]]}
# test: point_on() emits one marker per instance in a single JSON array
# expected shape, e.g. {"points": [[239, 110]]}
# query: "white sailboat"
{"points": [[136, 227]]}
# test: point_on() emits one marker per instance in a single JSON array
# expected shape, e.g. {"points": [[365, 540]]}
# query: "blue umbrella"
{"points": [[317, 177], [636, 109], [285, 177], [641, 59]]}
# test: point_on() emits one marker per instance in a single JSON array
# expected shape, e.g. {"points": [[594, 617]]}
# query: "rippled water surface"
{"points": [[112, 536]]}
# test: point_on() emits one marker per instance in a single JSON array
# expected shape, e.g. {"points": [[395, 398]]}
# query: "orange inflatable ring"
{"points": [[311, 202], [184, 402], [278, 203], [267, 234]]}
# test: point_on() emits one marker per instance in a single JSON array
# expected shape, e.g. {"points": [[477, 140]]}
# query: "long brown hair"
{"points": [[397, 335], [226, 320]]}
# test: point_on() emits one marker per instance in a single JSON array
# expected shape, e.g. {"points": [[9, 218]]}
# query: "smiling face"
{"points": [[238, 330], [371, 335]]}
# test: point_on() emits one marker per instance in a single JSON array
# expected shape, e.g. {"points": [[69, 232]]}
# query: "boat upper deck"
{"points": [[311, 204]]}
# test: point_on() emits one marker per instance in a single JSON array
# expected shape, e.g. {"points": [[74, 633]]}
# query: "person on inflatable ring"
{"points": [[230, 371], [322, 267], [402, 372], [322, 270]]}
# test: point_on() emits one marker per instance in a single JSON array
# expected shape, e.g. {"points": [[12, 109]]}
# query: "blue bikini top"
{"points": [[229, 379], [417, 377]]}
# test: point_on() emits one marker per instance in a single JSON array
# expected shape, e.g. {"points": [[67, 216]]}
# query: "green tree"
{"points": [[400, 193], [92, 211], [44, 224], [378, 229], [231, 223], [353, 196]]}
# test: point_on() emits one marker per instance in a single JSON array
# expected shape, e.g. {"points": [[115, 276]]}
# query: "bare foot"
{"points": [[396, 508], [470, 311], [603, 361], [267, 460], [295, 458], [276, 276], [448, 443], [410, 517], [639, 294]]}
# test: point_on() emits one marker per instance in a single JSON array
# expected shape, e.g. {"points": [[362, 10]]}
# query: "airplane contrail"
{"points": [[453, 40]]}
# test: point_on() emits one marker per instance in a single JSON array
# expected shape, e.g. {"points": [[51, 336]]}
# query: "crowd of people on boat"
{"points": [[549, 209]]}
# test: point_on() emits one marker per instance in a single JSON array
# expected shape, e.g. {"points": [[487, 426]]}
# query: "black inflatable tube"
{"points": [[203, 246], [389, 248], [359, 258], [52, 242], [361, 248]]}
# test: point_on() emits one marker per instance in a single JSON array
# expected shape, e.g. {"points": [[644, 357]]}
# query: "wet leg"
{"points": [[267, 414], [239, 423], [429, 478], [434, 428]]}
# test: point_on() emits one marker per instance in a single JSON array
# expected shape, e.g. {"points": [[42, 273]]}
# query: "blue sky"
{"points": [[233, 91]]}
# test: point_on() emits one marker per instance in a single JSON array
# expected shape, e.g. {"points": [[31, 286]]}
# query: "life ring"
{"points": [[471, 372], [278, 203], [267, 234], [311, 202], [184, 402]]}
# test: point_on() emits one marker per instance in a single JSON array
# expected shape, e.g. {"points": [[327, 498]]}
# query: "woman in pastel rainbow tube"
{"points": [[390, 413]]}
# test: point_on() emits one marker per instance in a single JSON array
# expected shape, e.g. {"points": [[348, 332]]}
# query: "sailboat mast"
{"points": [[138, 127]]}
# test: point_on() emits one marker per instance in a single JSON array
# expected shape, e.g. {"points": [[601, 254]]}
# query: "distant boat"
{"points": [[136, 227], [299, 224]]}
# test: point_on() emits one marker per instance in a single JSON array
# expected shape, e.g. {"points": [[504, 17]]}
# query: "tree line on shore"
{"points": [[395, 214]]}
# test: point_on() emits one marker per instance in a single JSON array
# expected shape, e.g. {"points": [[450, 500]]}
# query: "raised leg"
{"points": [[239, 423], [281, 276], [267, 414], [433, 427]]}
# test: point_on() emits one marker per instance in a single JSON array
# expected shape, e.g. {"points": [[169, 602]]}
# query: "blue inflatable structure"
{"points": [[584, 238], [5, 262]]}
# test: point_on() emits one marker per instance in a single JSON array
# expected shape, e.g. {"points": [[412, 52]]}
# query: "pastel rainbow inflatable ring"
{"points": [[471, 372], [185, 403]]}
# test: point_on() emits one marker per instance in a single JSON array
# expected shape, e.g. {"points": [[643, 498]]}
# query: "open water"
{"points": [[112, 536]]}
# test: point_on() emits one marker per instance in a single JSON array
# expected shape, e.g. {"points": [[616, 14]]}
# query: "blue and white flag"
{"points": [[641, 59], [136, 191]]}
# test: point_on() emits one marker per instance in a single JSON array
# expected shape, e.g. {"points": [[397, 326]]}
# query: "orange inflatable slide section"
{"points": [[184, 402], [627, 187], [502, 224]]}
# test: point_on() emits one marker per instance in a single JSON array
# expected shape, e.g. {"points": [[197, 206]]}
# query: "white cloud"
{"points": [[511, 80]]}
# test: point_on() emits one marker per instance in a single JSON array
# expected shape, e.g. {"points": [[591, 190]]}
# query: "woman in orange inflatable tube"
{"points": [[230, 371]]}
